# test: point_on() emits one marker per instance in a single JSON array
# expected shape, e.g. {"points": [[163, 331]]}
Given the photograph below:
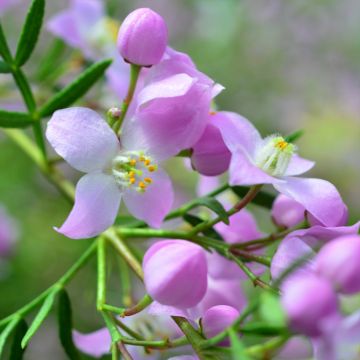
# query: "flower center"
{"points": [[132, 169], [274, 155]]}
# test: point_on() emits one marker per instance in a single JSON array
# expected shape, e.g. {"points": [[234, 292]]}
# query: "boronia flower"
{"points": [[274, 161], [116, 169]]}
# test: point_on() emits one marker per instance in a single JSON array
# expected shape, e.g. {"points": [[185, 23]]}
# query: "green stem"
{"points": [[124, 353], [60, 283], [140, 306], [134, 75], [124, 251], [271, 345], [249, 256], [125, 278], [101, 273]]}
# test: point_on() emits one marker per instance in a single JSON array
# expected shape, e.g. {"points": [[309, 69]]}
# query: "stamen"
{"points": [[132, 162], [142, 185], [147, 162], [148, 180], [152, 168], [132, 180]]}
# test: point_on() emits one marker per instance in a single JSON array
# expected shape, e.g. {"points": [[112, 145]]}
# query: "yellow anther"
{"points": [[152, 168], [142, 185], [132, 174], [142, 158], [132, 162], [147, 162], [212, 112], [132, 180], [282, 144], [148, 180]]}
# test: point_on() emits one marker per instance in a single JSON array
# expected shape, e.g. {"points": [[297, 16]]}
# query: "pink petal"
{"points": [[63, 25], [298, 166], [97, 202], [96, 344], [158, 309], [82, 138], [319, 197], [87, 13], [239, 132], [244, 172], [152, 205]]}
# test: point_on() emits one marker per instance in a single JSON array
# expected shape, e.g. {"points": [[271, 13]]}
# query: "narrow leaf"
{"points": [[39, 318], [16, 351], [75, 90], [30, 32], [7, 331], [4, 68], [4, 47], [215, 206], [65, 326], [294, 136], [195, 220], [11, 119], [263, 198], [238, 350]]}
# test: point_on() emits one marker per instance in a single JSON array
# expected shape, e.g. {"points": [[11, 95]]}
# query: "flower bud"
{"points": [[142, 37], [308, 301], [175, 273], [338, 261], [210, 155], [217, 319], [287, 212]]}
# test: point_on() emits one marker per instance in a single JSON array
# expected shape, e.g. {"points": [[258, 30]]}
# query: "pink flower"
{"points": [[168, 267], [8, 233], [338, 262], [217, 319], [274, 161], [143, 37], [210, 156], [116, 170], [309, 303]]}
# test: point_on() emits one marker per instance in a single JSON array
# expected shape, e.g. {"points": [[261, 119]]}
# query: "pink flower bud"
{"points": [[175, 273], [338, 261], [210, 155], [217, 319], [143, 37], [308, 301], [287, 212]]}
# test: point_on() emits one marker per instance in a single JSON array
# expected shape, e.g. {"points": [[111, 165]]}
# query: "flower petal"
{"points": [[97, 202], [319, 197], [244, 172], [298, 166], [153, 204], [82, 138], [95, 344], [239, 132]]}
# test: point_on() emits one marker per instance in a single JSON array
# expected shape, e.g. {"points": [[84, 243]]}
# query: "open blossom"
{"points": [[274, 161], [143, 37], [338, 261], [168, 265], [116, 170]]}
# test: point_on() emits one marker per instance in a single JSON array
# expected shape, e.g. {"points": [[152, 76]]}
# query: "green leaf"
{"points": [[40, 317], [238, 350], [75, 90], [4, 47], [271, 310], [16, 351], [11, 119], [7, 331], [30, 32], [294, 136], [65, 326], [4, 68], [195, 220], [215, 206], [263, 198]]}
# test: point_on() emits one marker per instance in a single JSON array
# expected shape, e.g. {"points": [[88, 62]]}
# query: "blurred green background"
{"points": [[286, 65]]}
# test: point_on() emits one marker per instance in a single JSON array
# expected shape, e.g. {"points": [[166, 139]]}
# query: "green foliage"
{"points": [[65, 325], [296, 135], [237, 347], [40, 317], [263, 198], [17, 351], [271, 310], [11, 119], [4, 68], [195, 220], [7, 331], [30, 32], [76, 89], [214, 205]]}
